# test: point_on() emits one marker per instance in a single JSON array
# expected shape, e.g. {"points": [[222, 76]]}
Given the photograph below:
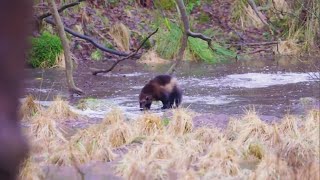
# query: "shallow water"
{"points": [[273, 87]]}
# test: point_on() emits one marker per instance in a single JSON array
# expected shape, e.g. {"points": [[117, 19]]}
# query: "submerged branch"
{"points": [[133, 54]]}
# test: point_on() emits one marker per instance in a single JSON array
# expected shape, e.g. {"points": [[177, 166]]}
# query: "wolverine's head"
{"points": [[145, 101]]}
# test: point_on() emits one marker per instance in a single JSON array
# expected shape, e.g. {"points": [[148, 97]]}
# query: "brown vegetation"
{"points": [[248, 148]]}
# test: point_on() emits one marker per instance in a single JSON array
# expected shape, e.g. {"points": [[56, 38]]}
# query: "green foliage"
{"points": [[238, 9], [97, 55], [168, 41], [190, 4], [201, 50], [45, 50], [165, 4]]}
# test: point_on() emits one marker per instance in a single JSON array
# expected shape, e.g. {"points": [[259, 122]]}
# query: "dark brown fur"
{"points": [[162, 88]]}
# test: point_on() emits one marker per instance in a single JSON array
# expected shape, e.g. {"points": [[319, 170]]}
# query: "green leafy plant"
{"points": [[45, 50], [191, 4], [97, 55]]}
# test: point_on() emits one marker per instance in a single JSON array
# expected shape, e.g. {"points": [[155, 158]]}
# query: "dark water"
{"points": [[275, 87]]}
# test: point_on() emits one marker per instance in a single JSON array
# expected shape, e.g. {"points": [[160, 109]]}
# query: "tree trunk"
{"points": [[184, 39], [68, 61]]}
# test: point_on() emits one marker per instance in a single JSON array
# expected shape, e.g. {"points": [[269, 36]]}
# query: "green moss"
{"points": [[45, 50]]}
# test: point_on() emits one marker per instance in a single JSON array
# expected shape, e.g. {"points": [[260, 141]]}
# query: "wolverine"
{"points": [[162, 88]]}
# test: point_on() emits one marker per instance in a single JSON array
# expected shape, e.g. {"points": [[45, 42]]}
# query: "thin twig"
{"points": [[45, 15], [255, 43], [96, 71]]}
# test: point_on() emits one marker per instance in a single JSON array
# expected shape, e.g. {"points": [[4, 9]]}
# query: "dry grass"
{"points": [[30, 170], [121, 36], [29, 108], [60, 110], [149, 124], [152, 58], [288, 47], [119, 134], [247, 149], [45, 134], [272, 167], [181, 122], [114, 116], [247, 128]]}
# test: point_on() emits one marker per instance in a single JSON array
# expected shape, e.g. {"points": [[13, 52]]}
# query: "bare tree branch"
{"points": [[199, 35], [186, 33], [45, 15], [91, 40], [258, 13], [87, 38], [96, 71], [255, 43]]}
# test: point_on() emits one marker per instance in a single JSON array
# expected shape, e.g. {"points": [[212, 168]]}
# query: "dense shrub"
{"points": [[45, 50]]}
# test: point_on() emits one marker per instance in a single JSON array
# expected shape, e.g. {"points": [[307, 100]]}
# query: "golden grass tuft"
{"points": [[45, 134], [249, 127], [309, 171], [272, 167], [251, 19], [152, 58], [256, 150], [30, 170], [289, 126], [114, 116], [298, 152], [288, 47], [160, 147], [121, 36], [92, 144], [221, 158], [282, 6], [207, 135], [288, 149], [29, 108], [149, 124], [119, 134], [181, 122], [60, 110]]}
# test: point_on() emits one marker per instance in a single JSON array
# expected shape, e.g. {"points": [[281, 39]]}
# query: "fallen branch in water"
{"points": [[96, 71]]}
